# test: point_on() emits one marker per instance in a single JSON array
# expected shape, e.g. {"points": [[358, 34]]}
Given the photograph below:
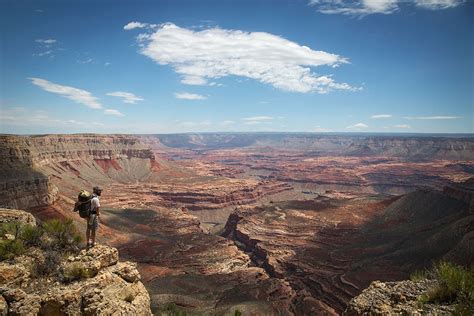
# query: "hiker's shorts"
{"points": [[93, 222]]}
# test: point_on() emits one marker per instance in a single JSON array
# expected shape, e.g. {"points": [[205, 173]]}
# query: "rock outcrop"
{"points": [[395, 298], [90, 282]]}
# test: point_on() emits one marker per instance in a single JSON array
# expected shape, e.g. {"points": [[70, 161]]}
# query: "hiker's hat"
{"points": [[96, 189]]}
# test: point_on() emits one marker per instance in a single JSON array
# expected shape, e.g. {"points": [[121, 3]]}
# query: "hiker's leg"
{"points": [[88, 233], [93, 237], [94, 226]]}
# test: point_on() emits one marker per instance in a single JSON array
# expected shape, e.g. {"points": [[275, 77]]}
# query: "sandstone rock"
{"points": [[128, 271], [395, 298], [12, 272], [12, 215], [3, 307], [108, 288], [115, 289], [92, 260]]}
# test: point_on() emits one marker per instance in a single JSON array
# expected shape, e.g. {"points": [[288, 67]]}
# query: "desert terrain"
{"points": [[266, 223]]}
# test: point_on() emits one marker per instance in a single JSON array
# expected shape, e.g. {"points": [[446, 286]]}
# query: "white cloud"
{"points": [[438, 4], [258, 118], [46, 41], [365, 7], [378, 116], [113, 112], [440, 117], [85, 61], [401, 126], [358, 126], [199, 56], [189, 96], [126, 96], [45, 53], [135, 25], [75, 94]]}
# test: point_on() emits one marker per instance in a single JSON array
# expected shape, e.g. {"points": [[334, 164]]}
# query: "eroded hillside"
{"points": [[272, 224]]}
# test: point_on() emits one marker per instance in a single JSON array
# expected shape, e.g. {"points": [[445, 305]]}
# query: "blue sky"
{"points": [[203, 66]]}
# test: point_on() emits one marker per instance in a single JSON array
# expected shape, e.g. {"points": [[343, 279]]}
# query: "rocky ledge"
{"points": [[396, 298], [89, 282]]}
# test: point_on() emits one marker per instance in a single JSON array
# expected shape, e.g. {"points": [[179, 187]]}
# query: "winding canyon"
{"points": [[266, 223]]}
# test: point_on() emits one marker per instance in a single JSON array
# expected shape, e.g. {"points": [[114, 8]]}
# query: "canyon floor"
{"points": [[218, 225]]}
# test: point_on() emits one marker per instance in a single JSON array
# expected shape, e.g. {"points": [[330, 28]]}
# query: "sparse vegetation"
{"points": [[31, 235], [54, 234], [171, 309], [455, 286], [76, 271], [62, 232], [11, 248]]}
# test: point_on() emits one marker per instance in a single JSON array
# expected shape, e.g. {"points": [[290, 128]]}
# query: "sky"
{"points": [[383, 66]]}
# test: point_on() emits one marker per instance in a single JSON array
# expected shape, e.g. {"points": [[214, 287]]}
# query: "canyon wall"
{"points": [[34, 166], [410, 146]]}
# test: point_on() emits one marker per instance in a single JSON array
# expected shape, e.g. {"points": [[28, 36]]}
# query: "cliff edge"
{"points": [[53, 280]]}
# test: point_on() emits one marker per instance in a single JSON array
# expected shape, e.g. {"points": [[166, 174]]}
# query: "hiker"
{"points": [[93, 218]]}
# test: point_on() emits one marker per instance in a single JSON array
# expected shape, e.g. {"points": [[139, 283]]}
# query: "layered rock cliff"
{"points": [[89, 282], [33, 166], [411, 146]]}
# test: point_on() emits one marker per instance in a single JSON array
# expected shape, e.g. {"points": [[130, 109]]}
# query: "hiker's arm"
{"points": [[97, 211]]}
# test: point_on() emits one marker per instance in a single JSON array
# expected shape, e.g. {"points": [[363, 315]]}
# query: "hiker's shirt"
{"points": [[95, 204], [93, 219]]}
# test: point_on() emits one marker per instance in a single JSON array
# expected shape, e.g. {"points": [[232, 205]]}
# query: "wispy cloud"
{"points": [[439, 117], [254, 120], [46, 45], [127, 97], [85, 61], [189, 96], [135, 25], [113, 112], [358, 126], [366, 7], [258, 118], [379, 116], [401, 126], [77, 95], [215, 53], [46, 41]]}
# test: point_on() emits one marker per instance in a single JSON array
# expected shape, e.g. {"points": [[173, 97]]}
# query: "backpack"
{"points": [[83, 204]]}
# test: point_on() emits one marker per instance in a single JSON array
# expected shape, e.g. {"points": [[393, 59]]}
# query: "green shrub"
{"points": [[62, 232], [31, 235], [455, 285], [171, 309], [419, 275], [12, 228], [76, 271], [11, 248], [237, 313]]}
